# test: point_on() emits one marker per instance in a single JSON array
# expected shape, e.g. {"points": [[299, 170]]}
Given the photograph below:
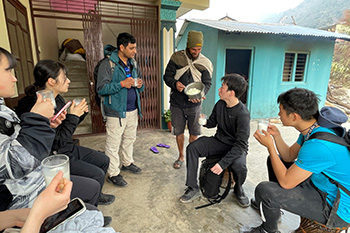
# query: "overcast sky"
{"points": [[241, 10]]}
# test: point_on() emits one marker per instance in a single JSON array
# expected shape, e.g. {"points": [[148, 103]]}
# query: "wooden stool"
{"points": [[311, 226], [225, 180]]}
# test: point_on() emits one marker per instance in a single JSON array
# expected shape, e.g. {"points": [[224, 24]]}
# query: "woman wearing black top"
{"points": [[52, 75]]}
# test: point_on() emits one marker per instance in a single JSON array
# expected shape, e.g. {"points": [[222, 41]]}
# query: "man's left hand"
{"points": [[216, 169], [264, 138], [139, 83], [196, 100]]}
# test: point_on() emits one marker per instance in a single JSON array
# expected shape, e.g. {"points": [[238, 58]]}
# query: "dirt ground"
{"points": [[339, 97]]}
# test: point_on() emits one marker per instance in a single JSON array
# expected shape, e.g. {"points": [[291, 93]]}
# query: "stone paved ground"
{"points": [[150, 202]]}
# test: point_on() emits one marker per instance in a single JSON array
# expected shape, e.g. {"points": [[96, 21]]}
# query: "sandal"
{"points": [[154, 150], [177, 164], [163, 145]]}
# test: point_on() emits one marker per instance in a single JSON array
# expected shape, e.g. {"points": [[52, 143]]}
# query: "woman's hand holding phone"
{"points": [[79, 109], [61, 117]]}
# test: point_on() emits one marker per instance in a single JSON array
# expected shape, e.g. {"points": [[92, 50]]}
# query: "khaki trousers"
{"points": [[120, 138]]}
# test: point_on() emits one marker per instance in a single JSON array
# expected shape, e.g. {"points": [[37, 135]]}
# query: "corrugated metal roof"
{"points": [[264, 28]]}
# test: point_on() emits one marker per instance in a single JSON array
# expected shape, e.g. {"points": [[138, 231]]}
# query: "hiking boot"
{"points": [[258, 229], [107, 220], [117, 181], [190, 195], [242, 199], [105, 199], [132, 168]]}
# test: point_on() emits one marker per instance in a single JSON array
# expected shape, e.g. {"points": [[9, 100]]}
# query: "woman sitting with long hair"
{"points": [[52, 75]]}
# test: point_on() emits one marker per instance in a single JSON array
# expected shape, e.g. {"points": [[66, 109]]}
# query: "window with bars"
{"points": [[294, 67]]}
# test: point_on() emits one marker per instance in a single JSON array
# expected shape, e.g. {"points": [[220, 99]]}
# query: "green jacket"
{"points": [[108, 85]]}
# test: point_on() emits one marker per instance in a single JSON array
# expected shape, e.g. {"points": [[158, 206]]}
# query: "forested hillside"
{"points": [[313, 13]]}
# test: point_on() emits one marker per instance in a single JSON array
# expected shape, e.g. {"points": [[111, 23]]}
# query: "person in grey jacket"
{"points": [[24, 143], [119, 83]]}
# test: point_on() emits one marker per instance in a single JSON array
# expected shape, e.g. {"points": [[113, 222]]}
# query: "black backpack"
{"points": [[98, 98], [209, 183]]}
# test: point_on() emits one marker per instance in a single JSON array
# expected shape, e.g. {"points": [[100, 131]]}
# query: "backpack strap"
{"points": [[341, 141], [330, 137], [223, 196], [112, 64], [337, 184], [335, 139]]}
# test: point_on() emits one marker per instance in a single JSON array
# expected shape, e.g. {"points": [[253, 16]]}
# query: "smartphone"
{"points": [[62, 109], [74, 208]]}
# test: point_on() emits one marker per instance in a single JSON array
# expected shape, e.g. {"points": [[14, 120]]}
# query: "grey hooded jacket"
{"points": [[21, 152]]}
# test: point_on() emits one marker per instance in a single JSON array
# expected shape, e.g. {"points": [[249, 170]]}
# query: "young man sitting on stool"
{"points": [[232, 119], [303, 188]]}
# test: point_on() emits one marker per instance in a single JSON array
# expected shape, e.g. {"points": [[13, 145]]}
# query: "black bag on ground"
{"points": [[209, 183]]}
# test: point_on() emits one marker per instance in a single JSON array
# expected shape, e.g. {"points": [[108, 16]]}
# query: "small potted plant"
{"points": [[167, 118]]}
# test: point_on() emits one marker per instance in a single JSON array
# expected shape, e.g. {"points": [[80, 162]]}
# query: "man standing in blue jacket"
{"points": [[119, 83]]}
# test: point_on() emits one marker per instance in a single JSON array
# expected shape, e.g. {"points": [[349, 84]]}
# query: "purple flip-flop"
{"points": [[154, 150], [163, 145]]}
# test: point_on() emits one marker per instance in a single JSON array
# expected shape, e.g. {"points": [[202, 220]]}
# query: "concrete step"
{"points": [[75, 64], [78, 78], [84, 92], [76, 71], [87, 120], [79, 88], [80, 84], [83, 129]]}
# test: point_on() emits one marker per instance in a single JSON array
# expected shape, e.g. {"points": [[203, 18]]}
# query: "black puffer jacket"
{"points": [[63, 143]]}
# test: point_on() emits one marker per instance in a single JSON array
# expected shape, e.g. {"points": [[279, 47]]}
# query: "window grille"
{"points": [[294, 67]]}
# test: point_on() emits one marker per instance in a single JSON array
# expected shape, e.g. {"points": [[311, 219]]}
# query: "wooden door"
{"points": [[20, 43]]}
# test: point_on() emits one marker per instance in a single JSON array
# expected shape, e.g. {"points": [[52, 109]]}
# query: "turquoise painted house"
{"points": [[273, 59]]}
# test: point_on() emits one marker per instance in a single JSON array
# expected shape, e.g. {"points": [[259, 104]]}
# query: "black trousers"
{"points": [[207, 147], [304, 200], [86, 189], [90, 163]]}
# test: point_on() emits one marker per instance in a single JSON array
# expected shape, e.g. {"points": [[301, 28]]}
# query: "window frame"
{"points": [[293, 67]]}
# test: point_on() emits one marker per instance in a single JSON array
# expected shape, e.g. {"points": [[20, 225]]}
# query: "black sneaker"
{"points": [[253, 204], [105, 199], [258, 229], [107, 220], [132, 168], [117, 181], [190, 195], [242, 199]]}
